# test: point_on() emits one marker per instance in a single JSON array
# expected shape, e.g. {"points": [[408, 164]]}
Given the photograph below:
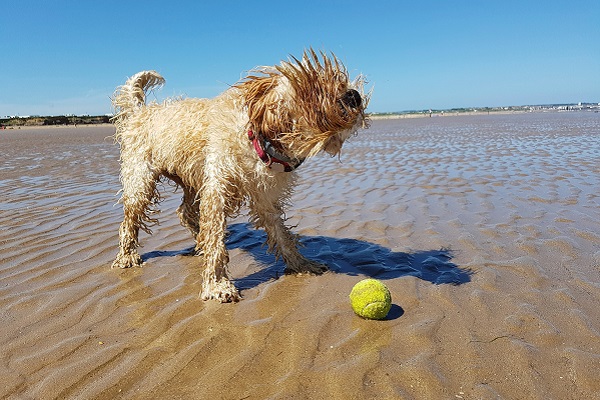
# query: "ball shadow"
{"points": [[395, 312]]}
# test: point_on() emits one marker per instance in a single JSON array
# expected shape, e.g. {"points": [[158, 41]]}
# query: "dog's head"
{"points": [[305, 106]]}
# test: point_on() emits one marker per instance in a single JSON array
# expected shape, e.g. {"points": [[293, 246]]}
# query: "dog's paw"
{"points": [[307, 267], [127, 260], [222, 290]]}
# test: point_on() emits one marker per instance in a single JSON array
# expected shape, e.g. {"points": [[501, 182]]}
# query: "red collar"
{"points": [[273, 159]]}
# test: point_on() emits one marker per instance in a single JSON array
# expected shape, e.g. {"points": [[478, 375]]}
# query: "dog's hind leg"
{"points": [[189, 211], [139, 194], [211, 241]]}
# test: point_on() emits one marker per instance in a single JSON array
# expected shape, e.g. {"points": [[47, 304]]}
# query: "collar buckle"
{"points": [[273, 160]]}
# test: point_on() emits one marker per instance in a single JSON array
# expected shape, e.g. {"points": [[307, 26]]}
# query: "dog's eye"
{"points": [[351, 99]]}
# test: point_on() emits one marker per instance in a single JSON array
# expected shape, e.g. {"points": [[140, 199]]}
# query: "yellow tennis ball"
{"points": [[371, 299]]}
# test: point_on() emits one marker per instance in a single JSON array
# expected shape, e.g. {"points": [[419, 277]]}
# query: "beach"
{"points": [[484, 228]]}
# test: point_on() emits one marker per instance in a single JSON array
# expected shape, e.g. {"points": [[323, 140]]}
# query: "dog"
{"points": [[240, 148]]}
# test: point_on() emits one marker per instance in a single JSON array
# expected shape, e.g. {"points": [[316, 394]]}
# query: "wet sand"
{"points": [[485, 229]]}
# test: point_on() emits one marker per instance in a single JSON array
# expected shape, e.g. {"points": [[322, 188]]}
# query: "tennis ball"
{"points": [[371, 299]]}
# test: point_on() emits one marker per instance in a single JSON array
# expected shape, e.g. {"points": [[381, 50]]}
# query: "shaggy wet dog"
{"points": [[240, 148]]}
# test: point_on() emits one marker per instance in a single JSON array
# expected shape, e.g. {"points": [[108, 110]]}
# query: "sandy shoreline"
{"points": [[485, 229], [26, 128], [478, 112]]}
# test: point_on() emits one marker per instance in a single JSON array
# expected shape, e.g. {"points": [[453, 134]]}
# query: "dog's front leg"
{"points": [[211, 240], [282, 241]]}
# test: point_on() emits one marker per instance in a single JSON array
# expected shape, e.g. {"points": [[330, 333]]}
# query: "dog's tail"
{"points": [[132, 95]]}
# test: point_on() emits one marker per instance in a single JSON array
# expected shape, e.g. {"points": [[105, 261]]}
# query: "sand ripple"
{"points": [[484, 228]]}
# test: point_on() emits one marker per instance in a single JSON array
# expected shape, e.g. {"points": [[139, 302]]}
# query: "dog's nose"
{"points": [[352, 99]]}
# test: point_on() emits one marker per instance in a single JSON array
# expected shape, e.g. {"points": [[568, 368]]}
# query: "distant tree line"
{"points": [[56, 120]]}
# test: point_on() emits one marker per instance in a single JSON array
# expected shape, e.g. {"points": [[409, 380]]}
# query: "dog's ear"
{"points": [[267, 112]]}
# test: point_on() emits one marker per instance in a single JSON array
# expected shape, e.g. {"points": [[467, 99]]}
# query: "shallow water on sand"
{"points": [[485, 229]]}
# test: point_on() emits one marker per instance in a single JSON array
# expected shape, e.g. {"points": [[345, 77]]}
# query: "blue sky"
{"points": [[64, 56]]}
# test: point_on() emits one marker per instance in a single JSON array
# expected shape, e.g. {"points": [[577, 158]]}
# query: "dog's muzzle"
{"points": [[351, 99]]}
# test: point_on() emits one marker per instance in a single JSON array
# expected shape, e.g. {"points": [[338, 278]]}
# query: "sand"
{"points": [[484, 228]]}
